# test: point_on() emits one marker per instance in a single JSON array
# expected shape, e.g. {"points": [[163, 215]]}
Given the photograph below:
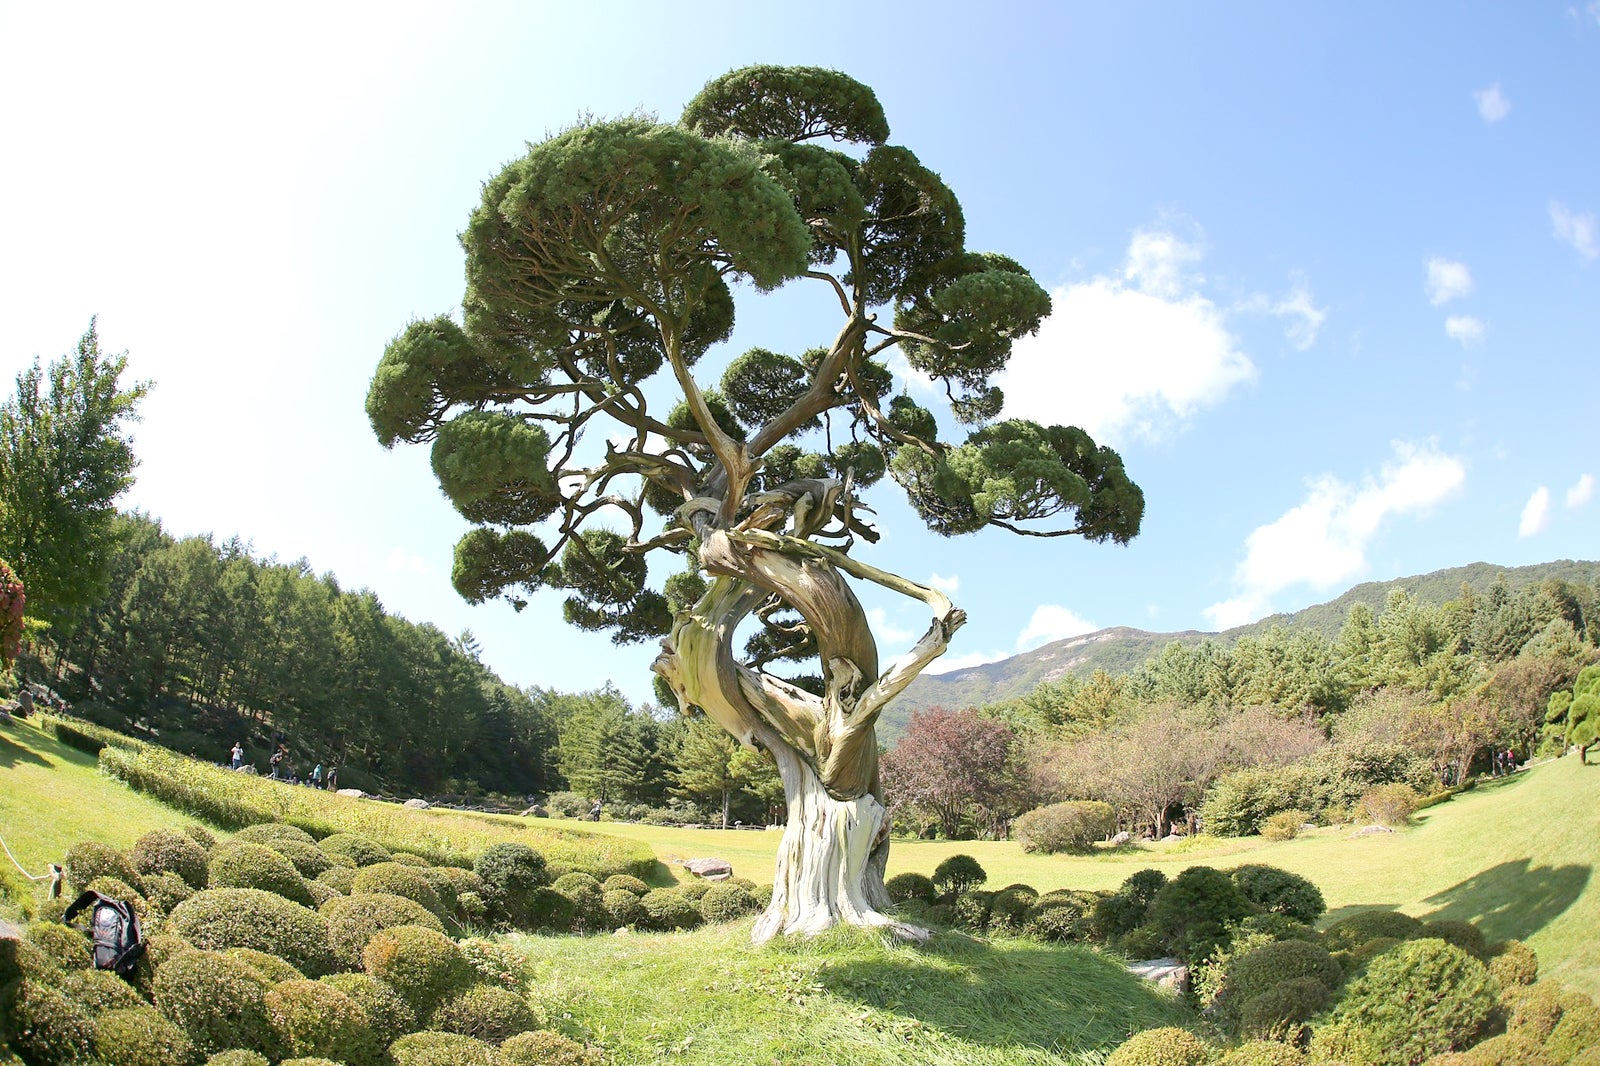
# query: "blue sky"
{"points": [[1326, 276]]}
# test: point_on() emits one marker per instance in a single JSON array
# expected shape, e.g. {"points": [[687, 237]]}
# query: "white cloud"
{"points": [[1575, 229], [1303, 317], [1464, 328], [949, 664], [1582, 492], [948, 585], [402, 563], [1447, 280], [1535, 514], [1492, 104], [1128, 356], [886, 630], [1052, 622], [1323, 541]]}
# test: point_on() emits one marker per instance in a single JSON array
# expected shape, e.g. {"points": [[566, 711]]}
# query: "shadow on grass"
{"points": [[1512, 900], [1066, 1000], [12, 753]]}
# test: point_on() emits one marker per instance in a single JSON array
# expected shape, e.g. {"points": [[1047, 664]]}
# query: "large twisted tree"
{"points": [[572, 421]]}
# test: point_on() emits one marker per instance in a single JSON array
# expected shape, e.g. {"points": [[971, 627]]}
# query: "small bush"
{"points": [[216, 1000], [1391, 805], [397, 879], [353, 921], [1280, 892], [1352, 932], [666, 908], [957, 874], [972, 909], [67, 947], [165, 891], [544, 1048], [310, 1017], [308, 860], [1263, 1053], [1578, 1030], [1194, 911], [269, 832], [902, 887], [511, 873], [1162, 1047], [1509, 1049], [566, 883], [241, 864], [431, 1048], [1421, 998], [388, 1014], [201, 835], [271, 968], [727, 903], [485, 1012], [46, 1027], [1071, 827], [222, 918], [341, 879], [1061, 917], [358, 849], [1463, 935], [626, 882], [1513, 963], [1532, 1010], [168, 851], [90, 860], [763, 895], [237, 1057], [140, 1036], [589, 912], [694, 889], [623, 907], [99, 991], [406, 858], [1256, 972], [496, 962], [1010, 907], [1285, 825], [1145, 942], [1282, 1011], [423, 965]]}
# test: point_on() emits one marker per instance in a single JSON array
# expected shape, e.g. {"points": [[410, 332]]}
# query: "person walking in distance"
{"points": [[237, 755]]}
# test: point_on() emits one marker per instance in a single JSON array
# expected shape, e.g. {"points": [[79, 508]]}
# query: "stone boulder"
{"points": [[710, 869], [353, 793], [1169, 974], [418, 804]]}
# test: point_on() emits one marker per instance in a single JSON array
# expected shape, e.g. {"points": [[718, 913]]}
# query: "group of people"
{"points": [[1505, 762], [280, 770]]}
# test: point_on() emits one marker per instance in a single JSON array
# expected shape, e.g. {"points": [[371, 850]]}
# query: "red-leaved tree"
{"points": [[950, 761]]}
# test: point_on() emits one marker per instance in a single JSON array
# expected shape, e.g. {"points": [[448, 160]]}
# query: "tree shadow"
{"points": [[1066, 1000], [1513, 900], [12, 753]]}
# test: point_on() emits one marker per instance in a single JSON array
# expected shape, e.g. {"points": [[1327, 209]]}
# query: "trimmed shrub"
{"points": [[902, 887], [1063, 917], [117, 888], [485, 1012], [397, 879], [589, 912], [222, 918], [99, 991], [1280, 892], [512, 873], [311, 1017], [430, 1048], [237, 1057], [1167, 1046], [1509, 1049], [406, 858], [1578, 1030], [353, 921], [358, 849], [497, 962], [201, 835], [1352, 932], [971, 909], [90, 859], [1285, 825], [1194, 911], [623, 907], [45, 1026], [272, 832], [1254, 972], [216, 1000], [165, 891], [1532, 1010], [157, 950], [1282, 1011], [566, 883], [388, 1014], [321, 893], [339, 878], [626, 882], [1421, 998], [140, 1036], [1463, 935], [1071, 827], [168, 851], [1010, 908], [460, 880], [544, 1048], [1263, 1053], [727, 903], [694, 889], [666, 908], [763, 895], [271, 968], [550, 912], [423, 965], [1513, 963], [957, 874], [1392, 805], [308, 860], [67, 947], [241, 864]]}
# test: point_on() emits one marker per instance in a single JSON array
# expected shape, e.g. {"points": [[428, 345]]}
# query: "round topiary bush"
{"points": [[566, 883], [312, 1017], [957, 874], [157, 950], [168, 851], [321, 893], [1263, 1053], [1280, 892], [165, 891], [431, 1048], [67, 947], [727, 903], [45, 1027], [623, 907], [1513, 963], [550, 912], [140, 1036], [497, 962], [397, 879], [200, 835], [1193, 912], [511, 874], [1391, 805], [91, 859], [216, 1000], [972, 909], [1167, 1046], [1532, 1010], [1464, 935], [1071, 827], [358, 849], [271, 832], [1010, 907], [694, 889], [222, 918], [589, 914], [271, 968], [1418, 999], [98, 991], [1062, 917], [388, 1014], [544, 1048], [1264, 968], [241, 864], [763, 895], [1282, 1011], [485, 1012], [237, 1057], [1352, 932], [406, 858], [308, 860], [902, 887], [667, 908], [341, 879], [354, 919], [460, 880], [626, 882], [1285, 825], [1577, 1031], [1509, 1049], [423, 965]]}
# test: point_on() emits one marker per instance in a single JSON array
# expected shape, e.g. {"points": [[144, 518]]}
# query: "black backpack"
{"points": [[114, 930]]}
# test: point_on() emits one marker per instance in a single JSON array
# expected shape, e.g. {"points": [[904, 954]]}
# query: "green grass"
{"points": [[710, 997]]}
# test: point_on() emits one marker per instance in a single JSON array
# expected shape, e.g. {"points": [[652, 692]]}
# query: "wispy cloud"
{"points": [[1535, 513], [1447, 280], [1051, 622], [1302, 317], [1323, 541], [1464, 328], [401, 562], [1582, 492], [948, 585], [1577, 230], [886, 630], [1492, 104]]}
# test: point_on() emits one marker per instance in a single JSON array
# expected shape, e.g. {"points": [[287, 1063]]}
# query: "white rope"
{"points": [[54, 876]]}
